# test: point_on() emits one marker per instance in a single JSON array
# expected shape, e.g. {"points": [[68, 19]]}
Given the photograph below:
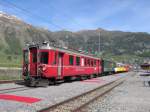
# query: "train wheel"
{"points": [[80, 78], [67, 79], [30, 82], [89, 77], [33, 82], [52, 81]]}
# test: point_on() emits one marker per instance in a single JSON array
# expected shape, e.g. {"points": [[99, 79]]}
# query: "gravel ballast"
{"points": [[131, 96], [53, 94]]}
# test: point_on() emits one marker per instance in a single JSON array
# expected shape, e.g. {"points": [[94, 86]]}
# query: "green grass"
{"points": [[8, 77], [10, 60], [128, 59], [10, 65], [125, 58]]}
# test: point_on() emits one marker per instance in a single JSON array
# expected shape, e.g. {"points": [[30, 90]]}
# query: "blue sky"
{"points": [[74, 15]]}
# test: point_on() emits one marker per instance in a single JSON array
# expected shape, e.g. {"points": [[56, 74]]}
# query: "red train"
{"points": [[47, 64], [43, 64]]}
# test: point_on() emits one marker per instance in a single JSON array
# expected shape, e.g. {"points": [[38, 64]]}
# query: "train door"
{"points": [[60, 65], [99, 67], [26, 63], [33, 61]]}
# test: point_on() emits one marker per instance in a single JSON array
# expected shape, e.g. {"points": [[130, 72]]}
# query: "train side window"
{"points": [[100, 62], [91, 62], [70, 60], [84, 61], [77, 61], [44, 57], [88, 62], [94, 62]]}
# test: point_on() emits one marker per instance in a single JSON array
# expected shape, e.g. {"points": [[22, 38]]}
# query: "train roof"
{"points": [[47, 46]]}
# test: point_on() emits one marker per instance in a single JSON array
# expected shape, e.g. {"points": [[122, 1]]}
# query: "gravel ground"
{"points": [[52, 94], [131, 96], [9, 85], [10, 73]]}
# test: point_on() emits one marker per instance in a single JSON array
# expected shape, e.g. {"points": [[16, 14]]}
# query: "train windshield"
{"points": [[44, 57], [25, 56]]}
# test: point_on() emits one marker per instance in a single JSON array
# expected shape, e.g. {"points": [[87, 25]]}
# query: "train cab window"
{"points": [[70, 60], [34, 57], [44, 57], [77, 61], [25, 56]]}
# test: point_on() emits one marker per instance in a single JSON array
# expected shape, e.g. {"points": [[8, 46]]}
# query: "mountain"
{"points": [[14, 34]]}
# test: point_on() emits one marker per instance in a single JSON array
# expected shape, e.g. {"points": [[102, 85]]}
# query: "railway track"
{"points": [[15, 89], [77, 103], [9, 81]]}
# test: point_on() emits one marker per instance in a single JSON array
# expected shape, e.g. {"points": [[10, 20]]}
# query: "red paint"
{"points": [[58, 60], [19, 98]]}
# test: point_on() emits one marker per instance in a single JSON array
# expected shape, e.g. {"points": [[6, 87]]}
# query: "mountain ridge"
{"points": [[15, 33]]}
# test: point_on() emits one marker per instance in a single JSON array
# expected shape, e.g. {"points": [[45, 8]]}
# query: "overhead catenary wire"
{"points": [[28, 13], [64, 14], [67, 16]]}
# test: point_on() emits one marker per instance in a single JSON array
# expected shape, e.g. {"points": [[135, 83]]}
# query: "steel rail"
{"points": [[69, 104], [8, 81], [15, 89], [81, 107]]}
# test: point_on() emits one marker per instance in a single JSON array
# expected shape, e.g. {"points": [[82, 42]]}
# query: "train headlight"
{"points": [[44, 68], [39, 69]]}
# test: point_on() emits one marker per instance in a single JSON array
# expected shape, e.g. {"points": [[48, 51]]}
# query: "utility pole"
{"points": [[99, 34], [67, 40]]}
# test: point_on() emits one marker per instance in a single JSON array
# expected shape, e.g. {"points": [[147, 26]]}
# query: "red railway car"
{"points": [[44, 63]]}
